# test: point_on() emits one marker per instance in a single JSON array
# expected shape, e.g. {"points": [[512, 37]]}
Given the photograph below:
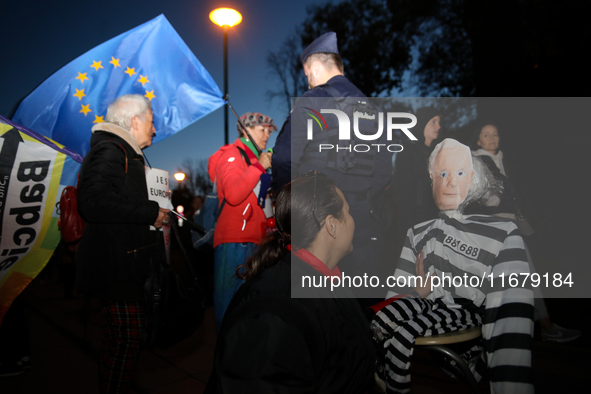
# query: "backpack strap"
{"points": [[247, 160], [244, 155]]}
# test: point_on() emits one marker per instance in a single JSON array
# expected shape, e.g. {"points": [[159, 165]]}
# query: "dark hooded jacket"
{"points": [[114, 255]]}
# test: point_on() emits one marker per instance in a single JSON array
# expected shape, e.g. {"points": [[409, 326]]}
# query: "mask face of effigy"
{"points": [[451, 175]]}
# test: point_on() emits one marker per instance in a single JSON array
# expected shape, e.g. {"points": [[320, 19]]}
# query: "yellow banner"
{"points": [[30, 177]]}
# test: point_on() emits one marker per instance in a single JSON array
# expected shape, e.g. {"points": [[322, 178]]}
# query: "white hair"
{"points": [[483, 182], [124, 108]]}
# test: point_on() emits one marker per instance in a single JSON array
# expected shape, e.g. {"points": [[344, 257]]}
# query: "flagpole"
{"points": [[227, 99], [226, 136]]}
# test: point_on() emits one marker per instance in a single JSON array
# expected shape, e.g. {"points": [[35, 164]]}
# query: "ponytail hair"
{"points": [[271, 250], [300, 211], [274, 246]]}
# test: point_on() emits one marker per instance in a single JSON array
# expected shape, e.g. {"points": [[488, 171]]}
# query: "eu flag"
{"points": [[151, 60]]}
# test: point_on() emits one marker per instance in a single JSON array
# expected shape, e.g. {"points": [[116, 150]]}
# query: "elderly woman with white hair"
{"points": [[475, 249], [117, 246]]}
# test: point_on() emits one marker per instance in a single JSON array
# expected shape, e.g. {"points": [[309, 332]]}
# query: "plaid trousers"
{"points": [[125, 326]]}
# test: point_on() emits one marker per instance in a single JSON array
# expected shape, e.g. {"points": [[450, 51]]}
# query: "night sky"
{"points": [[38, 38]]}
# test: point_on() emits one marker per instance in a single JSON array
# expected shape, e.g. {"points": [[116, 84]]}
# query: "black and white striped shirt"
{"points": [[483, 251]]}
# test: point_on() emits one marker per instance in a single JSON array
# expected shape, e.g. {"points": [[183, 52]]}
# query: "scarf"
{"points": [[314, 262]]}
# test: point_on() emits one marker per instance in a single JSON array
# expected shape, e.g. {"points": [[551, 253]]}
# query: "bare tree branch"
{"points": [[285, 66]]}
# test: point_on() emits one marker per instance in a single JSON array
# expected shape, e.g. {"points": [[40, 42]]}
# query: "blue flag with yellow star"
{"points": [[151, 60]]}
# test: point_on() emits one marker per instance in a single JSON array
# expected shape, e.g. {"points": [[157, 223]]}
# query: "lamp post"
{"points": [[225, 18], [179, 176]]}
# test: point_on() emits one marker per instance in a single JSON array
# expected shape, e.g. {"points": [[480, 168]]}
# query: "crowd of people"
{"points": [[458, 212]]}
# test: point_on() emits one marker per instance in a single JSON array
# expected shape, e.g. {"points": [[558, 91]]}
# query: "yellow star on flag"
{"points": [[143, 79], [98, 119], [96, 65], [115, 62], [79, 94], [85, 109], [82, 77], [130, 72], [150, 94]]}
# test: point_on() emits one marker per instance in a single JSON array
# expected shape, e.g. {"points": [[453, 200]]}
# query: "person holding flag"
{"points": [[117, 245], [52, 126], [171, 90], [239, 172]]}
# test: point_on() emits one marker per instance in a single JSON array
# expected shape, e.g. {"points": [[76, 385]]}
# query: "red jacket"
{"points": [[242, 219]]}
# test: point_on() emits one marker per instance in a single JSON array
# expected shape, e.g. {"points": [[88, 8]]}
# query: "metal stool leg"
{"points": [[462, 365]]}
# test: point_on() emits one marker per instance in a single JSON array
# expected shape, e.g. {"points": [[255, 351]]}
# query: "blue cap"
{"points": [[325, 43]]}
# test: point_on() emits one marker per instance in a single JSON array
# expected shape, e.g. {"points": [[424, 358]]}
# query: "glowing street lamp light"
{"points": [[225, 18], [179, 176]]}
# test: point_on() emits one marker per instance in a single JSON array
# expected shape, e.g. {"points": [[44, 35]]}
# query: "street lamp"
{"points": [[179, 176], [225, 18]]}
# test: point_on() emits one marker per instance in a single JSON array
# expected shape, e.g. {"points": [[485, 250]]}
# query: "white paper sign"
{"points": [[158, 187], [158, 190]]}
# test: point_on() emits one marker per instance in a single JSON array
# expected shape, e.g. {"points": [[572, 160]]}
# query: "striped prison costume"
{"points": [[481, 250]]}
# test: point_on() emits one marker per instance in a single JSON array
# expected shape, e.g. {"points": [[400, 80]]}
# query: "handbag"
{"points": [[175, 307], [70, 224]]}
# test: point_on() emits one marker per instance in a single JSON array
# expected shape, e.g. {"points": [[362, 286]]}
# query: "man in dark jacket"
{"points": [[295, 154], [118, 246]]}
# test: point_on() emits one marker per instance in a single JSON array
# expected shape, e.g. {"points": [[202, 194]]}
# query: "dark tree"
{"points": [[372, 41], [285, 65], [381, 40], [196, 180], [444, 61], [525, 48], [455, 47], [196, 183]]}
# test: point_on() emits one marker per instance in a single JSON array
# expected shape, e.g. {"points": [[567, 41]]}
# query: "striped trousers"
{"points": [[397, 325], [401, 322]]}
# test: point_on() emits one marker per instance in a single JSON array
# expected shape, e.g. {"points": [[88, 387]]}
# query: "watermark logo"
{"points": [[363, 117], [315, 115]]}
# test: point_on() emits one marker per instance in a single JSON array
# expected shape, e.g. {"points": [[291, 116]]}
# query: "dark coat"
{"points": [[411, 183], [510, 203], [114, 253], [326, 348], [412, 187], [292, 148], [294, 154]]}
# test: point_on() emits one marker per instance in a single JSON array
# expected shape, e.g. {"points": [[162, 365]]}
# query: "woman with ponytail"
{"points": [[293, 326]]}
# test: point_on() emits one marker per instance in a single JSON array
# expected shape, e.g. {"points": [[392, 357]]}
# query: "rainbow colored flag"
{"points": [[33, 172]]}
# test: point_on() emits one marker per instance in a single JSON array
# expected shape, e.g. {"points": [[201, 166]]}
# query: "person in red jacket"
{"points": [[236, 170]]}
